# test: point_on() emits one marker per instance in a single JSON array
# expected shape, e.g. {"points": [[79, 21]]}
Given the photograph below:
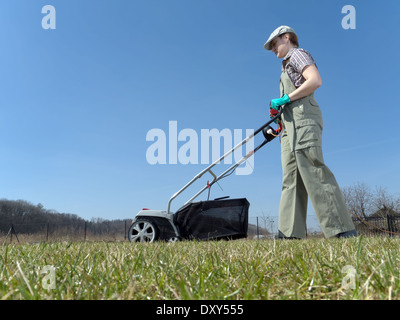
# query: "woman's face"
{"points": [[281, 45]]}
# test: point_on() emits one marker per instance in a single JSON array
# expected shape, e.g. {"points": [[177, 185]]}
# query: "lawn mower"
{"points": [[221, 218]]}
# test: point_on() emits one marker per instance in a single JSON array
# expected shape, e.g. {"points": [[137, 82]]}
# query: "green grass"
{"points": [[240, 269]]}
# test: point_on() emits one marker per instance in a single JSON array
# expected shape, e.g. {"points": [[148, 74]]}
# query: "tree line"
{"points": [[29, 218]]}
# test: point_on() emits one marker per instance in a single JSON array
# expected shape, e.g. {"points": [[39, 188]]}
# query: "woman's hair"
{"points": [[292, 37]]}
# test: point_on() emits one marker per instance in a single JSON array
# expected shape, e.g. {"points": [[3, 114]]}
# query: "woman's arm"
{"points": [[312, 83]]}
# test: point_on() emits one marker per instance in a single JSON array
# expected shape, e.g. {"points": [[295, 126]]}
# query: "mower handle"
{"points": [[208, 169]]}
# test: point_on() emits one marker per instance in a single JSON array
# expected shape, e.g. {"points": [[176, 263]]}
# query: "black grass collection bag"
{"points": [[213, 219]]}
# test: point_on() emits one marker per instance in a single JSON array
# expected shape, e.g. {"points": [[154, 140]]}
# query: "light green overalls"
{"points": [[304, 172]]}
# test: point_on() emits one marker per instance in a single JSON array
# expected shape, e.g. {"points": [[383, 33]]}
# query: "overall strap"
{"points": [[286, 84]]}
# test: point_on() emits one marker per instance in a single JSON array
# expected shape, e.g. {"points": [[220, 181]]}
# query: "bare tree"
{"points": [[385, 203], [363, 202], [358, 199]]}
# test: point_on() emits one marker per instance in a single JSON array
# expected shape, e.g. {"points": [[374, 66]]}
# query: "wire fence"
{"points": [[384, 226], [260, 227], [50, 232]]}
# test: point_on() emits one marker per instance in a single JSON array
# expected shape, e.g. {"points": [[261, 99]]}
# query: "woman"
{"points": [[304, 172]]}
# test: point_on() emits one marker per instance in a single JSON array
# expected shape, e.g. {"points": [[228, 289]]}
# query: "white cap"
{"points": [[277, 32]]}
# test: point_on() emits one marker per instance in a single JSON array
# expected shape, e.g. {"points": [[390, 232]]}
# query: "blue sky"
{"points": [[77, 102]]}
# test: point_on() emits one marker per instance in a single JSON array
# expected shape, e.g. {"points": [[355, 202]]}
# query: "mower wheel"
{"points": [[143, 230]]}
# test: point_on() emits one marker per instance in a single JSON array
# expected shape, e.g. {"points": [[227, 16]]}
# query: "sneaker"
{"points": [[347, 234], [281, 236]]}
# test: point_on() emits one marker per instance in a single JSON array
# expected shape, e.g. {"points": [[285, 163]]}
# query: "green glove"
{"points": [[276, 103]]}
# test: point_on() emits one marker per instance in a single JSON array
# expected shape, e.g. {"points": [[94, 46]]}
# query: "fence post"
{"points": [[84, 237], [389, 224], [47, 232], [258, 234], [10, 232]]}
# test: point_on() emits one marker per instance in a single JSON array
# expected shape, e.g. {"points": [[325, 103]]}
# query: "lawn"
{"points": [[357, 268]]}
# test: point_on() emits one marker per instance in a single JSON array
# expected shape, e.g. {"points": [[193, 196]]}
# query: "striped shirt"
{"points": [[298, 60]]}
